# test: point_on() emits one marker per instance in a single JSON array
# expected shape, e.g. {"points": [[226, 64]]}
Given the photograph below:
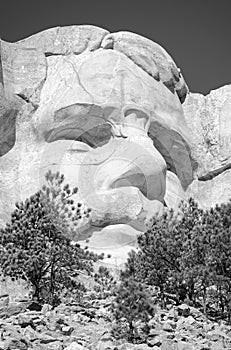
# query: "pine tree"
{"points": [[36, 244], [105, 282], [188, 255], [132, 303]]}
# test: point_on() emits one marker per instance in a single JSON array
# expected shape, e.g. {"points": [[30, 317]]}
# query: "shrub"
{"points": [[105, 282], [36, 245], [157, 261], [132, 303]]}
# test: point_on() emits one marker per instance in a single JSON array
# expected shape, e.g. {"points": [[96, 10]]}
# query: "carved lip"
{"points": [[123, 205]]}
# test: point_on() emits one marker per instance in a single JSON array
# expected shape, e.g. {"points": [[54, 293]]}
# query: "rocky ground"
{"points": [[87, 325]]}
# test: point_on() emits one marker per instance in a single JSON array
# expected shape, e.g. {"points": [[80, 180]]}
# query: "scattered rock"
{"points": [[75, 346], [169, 326], [184, 310], [173, 314], [46, 308], [185, 346], [34, 306], [25, 320], [67, 330], [57, 345], [16, 344], [156, 341], [87, 326], [4, 300], [46, 338], [30, 333]]}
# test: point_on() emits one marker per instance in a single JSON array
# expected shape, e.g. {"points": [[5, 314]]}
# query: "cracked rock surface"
{"points": [[111, 112], [208, 118]]}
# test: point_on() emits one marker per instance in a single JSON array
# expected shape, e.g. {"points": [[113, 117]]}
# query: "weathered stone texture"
{"points": [[150, 56], [66, 40], [208, 118], [106, 110], [111, 121]]}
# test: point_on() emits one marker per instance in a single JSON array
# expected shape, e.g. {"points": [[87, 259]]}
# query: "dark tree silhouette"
{"points": [[188, 255], [132, 303], [36, 244]]}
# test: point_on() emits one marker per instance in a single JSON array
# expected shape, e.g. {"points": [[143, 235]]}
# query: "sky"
{"points": [[196, 33]]}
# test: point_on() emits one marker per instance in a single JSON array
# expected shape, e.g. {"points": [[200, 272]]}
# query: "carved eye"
{"points": [[137, 117]]}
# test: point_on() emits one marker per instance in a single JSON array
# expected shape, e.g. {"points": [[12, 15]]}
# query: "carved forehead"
{"points": [[109, 80], [145, 53], [24, 64]]}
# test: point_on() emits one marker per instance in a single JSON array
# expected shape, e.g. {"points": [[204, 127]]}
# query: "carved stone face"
{"points": [[110, 119]]}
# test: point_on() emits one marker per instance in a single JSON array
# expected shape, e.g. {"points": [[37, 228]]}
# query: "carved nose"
{"points": [[132, 163]]}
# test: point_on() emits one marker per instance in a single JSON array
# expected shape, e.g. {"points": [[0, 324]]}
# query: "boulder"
{"points": [[75, 346], [184, 310]]}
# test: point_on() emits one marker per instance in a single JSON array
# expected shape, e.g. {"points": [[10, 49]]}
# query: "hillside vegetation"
{"points": [[182, 269]]}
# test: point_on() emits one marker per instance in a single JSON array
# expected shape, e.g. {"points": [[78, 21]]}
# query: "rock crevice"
{"points": [[213, 173]]}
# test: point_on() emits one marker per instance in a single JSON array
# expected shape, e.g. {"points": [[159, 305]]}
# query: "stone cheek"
{"points": [[127, 163]]}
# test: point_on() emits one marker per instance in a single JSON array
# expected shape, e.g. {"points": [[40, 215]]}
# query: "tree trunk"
{"points": [[36, 295], [131, 331], [204, 301], [52, 281]]}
